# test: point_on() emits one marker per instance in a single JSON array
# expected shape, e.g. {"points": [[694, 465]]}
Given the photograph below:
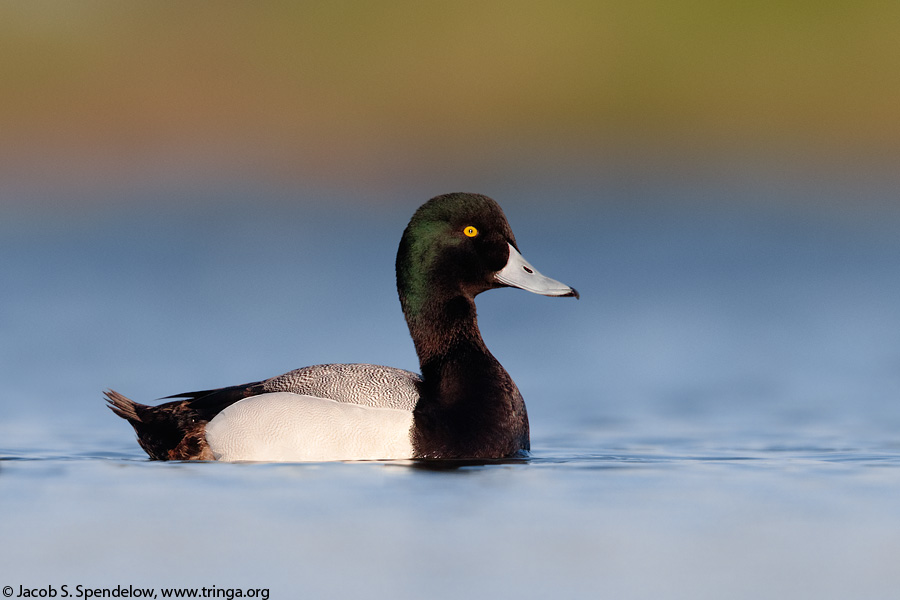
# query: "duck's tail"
{"points": [[171, 431], [123, 407]]}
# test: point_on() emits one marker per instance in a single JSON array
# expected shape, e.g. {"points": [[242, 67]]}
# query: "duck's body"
{"points": [[241, 421], [464, 405]]}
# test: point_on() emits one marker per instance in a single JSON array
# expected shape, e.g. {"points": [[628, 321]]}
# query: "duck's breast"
{"points": [[289, 427]]}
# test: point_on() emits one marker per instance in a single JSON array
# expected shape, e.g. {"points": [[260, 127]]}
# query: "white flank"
{"points": [[286, 427]]}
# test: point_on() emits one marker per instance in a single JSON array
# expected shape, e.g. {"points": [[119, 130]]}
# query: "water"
{"points": [[716, 418]]}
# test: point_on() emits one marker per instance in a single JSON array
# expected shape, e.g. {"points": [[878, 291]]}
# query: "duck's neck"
{"points": [[440, 329], [470, 407]]}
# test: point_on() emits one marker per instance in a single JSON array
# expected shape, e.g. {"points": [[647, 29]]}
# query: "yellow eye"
{"points": [[470, 231]]}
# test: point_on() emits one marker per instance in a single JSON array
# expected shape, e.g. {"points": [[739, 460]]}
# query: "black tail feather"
{"points": [[209, 403], [122, 406]]}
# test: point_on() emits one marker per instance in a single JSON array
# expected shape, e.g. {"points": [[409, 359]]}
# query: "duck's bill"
{"points": [[519, 273]]}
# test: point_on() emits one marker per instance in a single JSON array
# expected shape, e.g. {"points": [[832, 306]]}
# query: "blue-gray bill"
{"points": [[519, 273]]}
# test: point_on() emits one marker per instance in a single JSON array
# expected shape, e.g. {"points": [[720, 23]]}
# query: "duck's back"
{"points": [[372, 386]]}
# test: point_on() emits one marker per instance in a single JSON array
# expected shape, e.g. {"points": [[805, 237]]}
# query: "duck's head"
{"points": [[461, 245]]}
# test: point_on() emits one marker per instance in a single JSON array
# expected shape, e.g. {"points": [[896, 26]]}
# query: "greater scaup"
{"points": [[464, 405]]}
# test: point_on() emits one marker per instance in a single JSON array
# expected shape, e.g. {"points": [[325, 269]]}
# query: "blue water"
{"points": [[717, 417]]}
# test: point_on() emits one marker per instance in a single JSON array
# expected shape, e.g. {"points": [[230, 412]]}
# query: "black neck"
{"points": [[469, 407], [440, 330]]}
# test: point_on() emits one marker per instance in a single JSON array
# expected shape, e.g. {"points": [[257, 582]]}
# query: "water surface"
{"points": [[718, 416]]}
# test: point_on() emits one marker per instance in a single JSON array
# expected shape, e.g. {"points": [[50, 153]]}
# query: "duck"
{"points": [[462, 405]]}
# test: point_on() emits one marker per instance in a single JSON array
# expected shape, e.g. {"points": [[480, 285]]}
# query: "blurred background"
{"points": [[382, 100]]}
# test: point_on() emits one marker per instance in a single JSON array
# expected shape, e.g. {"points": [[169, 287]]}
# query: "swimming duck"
{"points": [[463, 405]]}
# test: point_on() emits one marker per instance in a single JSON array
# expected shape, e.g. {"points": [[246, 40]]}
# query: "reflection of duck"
{"points": [[465, 405]]}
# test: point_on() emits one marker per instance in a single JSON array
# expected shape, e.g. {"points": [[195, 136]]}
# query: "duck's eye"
{"points": [[470, 231]]}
